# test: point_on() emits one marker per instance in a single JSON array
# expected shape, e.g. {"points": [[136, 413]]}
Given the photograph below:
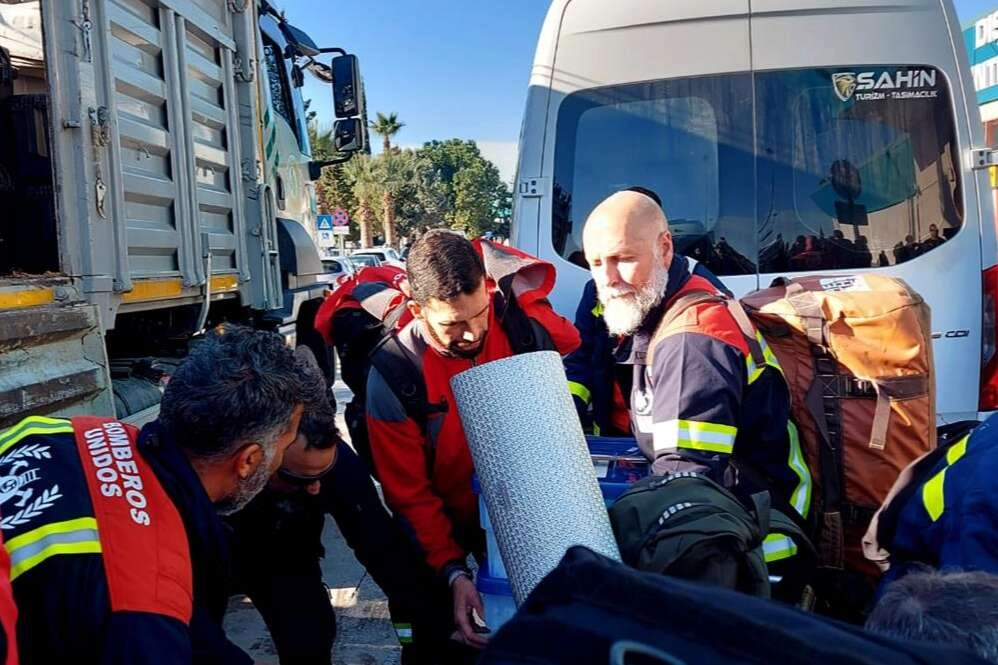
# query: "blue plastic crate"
{"points": [[497, 596], [618, 462]]}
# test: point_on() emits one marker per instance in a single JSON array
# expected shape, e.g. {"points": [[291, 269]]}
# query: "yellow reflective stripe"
{"points": [[597, 309], [33, 425], [800, 499], [777, 547], [957, 450], [694, 435], [755, 371], [595, 429], [933, 497], [579, 391], [77, 536]]}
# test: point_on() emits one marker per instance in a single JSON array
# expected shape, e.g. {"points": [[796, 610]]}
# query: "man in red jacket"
{"points": [[464, 298]]}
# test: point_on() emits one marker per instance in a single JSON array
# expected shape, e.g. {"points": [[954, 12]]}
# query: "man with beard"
{"points": [[426, 468], [599, 386], [699, 402], [117, 551]]}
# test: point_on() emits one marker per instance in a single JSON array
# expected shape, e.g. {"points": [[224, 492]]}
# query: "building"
{"points": [[981, 39]]}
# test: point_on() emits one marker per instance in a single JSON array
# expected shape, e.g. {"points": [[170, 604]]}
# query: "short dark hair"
{"points": [[953, 607], [443, 265], [647, 192], [237, 386], [318, 423]]}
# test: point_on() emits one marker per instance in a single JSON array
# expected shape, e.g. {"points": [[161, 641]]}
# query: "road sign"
{"points": [[341, 217], [324, 222], [341, 230]]}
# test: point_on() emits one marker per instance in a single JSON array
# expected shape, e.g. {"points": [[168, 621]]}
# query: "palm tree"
{"points": [[396, 170], [321, 141], [366, 184], [387, 126]]}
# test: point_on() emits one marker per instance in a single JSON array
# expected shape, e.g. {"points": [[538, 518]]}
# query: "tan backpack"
{"points": [[857, 354]]}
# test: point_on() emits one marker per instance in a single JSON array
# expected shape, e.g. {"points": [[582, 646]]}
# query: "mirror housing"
{"points": [[347, 97], [299, 43], [348, 135]]}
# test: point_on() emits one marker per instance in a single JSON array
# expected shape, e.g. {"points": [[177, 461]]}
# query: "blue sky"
{"points": [[450, 68]]}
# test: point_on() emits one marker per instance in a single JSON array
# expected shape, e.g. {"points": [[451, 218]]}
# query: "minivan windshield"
{"points": [[839, 167]]}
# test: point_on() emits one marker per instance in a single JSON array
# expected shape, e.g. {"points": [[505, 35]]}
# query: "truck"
{"points": [[156, 179], [783, 137]]}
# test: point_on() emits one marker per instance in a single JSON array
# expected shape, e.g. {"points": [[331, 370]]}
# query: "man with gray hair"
{"points": [[699, 401], [117, 551], [958, 608]]}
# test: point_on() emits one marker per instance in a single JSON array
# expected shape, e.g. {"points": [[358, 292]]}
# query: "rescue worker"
{"points": [[283, 524], [597, 383], [118, 554], [943, 509], [426, 471], [698, 400]]}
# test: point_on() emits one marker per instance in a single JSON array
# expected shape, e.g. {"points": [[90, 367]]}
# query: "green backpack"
{"points": [[687, 526]]}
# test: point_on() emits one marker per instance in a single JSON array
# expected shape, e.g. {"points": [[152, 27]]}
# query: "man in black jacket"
{"points": [[117, 552]]}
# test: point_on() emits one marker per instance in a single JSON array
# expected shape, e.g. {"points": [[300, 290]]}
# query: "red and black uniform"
{"points": [[438, 502], [117, 555]]}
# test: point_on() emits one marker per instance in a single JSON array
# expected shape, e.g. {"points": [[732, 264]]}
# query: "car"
{"points": [[361, 260], [384, 255], [340, 267]]}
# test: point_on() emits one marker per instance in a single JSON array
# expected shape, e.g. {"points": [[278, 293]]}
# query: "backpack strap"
{"points": [[524, 333], [676, 309], [405, 379]]}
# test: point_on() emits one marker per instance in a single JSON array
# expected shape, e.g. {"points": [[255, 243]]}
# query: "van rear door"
{"points": [[862, 138]]}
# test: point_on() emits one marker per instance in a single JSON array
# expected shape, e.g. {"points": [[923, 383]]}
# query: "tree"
{"points": [[477, 198], [387, 126], [365, 185]]}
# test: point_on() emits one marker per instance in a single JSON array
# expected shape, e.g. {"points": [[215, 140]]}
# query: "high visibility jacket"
{"points": [[8, 612], [101, 563], [943, 514], [598, 389], [438, 502], [699, 403]]}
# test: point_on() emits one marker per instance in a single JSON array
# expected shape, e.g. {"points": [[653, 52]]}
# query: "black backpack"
{"points": [[687, 526], [591, 610]]}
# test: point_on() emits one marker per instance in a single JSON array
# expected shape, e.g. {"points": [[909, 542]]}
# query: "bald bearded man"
{"points": [[699, 401]]}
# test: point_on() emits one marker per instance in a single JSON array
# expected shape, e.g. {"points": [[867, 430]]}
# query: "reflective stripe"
{"points": [[777, 547], [77, 536], [33, 425], [693, 435], [755, 371], [596, 429], [597, 309], [404, 632], [579, 391], [933, 497], [800, 499]]}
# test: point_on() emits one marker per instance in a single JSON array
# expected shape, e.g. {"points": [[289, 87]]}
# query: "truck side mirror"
{"points": [[348, 135], [346, 86]]}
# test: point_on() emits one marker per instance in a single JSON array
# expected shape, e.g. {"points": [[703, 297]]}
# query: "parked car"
{"points": [[361, 260], [383, 254], [341, 267]]}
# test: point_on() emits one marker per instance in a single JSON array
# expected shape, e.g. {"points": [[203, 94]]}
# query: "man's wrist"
{"points": [[453, 570]]}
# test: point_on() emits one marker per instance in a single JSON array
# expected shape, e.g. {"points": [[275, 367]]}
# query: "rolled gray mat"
{"points": [[532, 462]]}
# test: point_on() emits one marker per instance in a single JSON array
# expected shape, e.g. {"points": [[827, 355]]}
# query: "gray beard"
{"points": [[247, 489], [625, 313]]}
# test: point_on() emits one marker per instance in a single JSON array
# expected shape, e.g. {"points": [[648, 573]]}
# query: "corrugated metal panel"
{"points": [[170, 68]]}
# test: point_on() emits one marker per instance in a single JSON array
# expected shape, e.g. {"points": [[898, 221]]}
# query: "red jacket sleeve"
{"points": [[399, 451], [563, 332]]}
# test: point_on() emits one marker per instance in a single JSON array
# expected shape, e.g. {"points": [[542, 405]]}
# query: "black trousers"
{"points": [[278, 568]]}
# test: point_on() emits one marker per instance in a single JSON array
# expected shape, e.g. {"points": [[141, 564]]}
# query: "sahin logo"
{"points": [[844, 84]]}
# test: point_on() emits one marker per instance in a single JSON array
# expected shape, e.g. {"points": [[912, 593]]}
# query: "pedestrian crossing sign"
{"points": [[324, 222]]}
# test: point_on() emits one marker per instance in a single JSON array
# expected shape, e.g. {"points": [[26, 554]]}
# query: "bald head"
{"points": [[628, 212], [627, 244]]}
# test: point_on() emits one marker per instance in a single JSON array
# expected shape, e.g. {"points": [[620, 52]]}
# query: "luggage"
{"points": [[687, 526], [857, 354], [591, 610]]}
